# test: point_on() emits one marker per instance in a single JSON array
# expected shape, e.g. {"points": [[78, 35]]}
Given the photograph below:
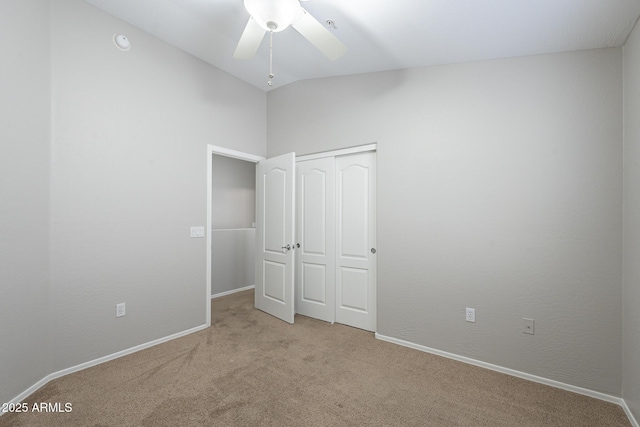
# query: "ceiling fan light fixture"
{"points": [[273, 15]]}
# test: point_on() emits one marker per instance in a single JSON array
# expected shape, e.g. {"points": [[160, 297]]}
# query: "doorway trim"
{"points": [[226, 152]]}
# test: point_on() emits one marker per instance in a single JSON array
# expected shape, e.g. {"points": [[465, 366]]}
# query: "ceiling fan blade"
{"points": [[249, 41], [318, 35]]}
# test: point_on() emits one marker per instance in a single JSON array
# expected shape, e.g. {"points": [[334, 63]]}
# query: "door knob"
{"points": [[373, 250], [288, 247]]}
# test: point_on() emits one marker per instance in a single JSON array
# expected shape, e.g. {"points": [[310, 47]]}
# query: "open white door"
{"points": [[275, 186]]}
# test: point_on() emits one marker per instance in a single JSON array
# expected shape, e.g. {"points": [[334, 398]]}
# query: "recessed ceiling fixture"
{"points": [[121, 42], [277, 15]]}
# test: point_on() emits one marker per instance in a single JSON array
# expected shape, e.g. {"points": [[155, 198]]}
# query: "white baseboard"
{"points": [[19, 398], [232, 291], [523, 375], [602, 396], [627, 411]]}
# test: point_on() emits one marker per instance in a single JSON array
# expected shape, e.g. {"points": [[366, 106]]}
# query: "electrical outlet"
{"points": [[527, 326], [471, 315], [120, 310]]}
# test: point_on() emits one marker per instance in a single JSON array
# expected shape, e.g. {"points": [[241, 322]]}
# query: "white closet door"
{"points": [[356, 240], [315, 259], [275, 227]]}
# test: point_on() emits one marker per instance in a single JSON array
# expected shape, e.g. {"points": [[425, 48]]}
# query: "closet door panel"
{"points": [[356, 240], [354, 292], [314, 283], [315, 225]]}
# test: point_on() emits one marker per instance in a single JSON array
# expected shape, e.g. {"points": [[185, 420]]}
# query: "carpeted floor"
{"points": [[250, 369]]}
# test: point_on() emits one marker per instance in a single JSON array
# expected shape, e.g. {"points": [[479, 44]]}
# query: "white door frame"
{"points": [[221, 151]]}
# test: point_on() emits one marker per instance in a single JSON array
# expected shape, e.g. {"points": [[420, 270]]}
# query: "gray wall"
{"points": [[631, 288], [129, 178], [499, 188], [24, 193], [233, 192], [233, 258], [104, 166]]}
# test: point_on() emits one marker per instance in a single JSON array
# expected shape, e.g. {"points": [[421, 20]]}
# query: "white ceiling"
{"points": [[383, 35]]}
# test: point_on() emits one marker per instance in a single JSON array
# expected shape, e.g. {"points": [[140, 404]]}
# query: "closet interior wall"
{"points": [[233, 224]]}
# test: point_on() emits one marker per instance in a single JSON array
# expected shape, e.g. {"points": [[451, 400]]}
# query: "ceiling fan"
{"points": [[274, 16]]}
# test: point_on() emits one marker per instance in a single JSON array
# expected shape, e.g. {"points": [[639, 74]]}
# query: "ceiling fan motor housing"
{"points": [[273, 15]]}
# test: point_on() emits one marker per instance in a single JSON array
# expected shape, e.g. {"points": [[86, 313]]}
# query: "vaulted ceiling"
{"points": [[383, 35]]}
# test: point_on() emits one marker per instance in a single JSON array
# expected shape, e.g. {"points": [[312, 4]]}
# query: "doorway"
{"points": [[230, 222], [233, 228], [336, 231], [334, 245]]}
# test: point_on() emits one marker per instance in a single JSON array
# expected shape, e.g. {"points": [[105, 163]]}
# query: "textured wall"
{"points": [[233, 259], [233, 193], [631, 289], [130, 135], [499, 188], [24, 193]]}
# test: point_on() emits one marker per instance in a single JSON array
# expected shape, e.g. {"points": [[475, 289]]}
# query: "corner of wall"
{"points": [[631, 226]]}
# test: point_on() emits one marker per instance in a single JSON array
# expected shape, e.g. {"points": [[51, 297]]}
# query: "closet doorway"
{"points": [[231, 237], [318, 212], [336, 233]]}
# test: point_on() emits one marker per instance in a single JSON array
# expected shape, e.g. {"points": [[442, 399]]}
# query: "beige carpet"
{"points": [[250, 369]]}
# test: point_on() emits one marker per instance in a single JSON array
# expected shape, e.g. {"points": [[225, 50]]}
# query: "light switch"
{"points": [[197, 231]]}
